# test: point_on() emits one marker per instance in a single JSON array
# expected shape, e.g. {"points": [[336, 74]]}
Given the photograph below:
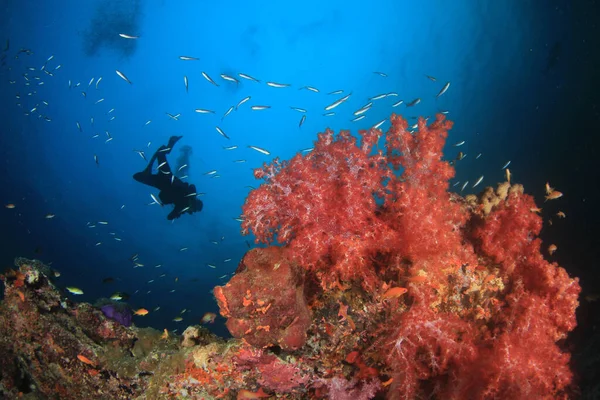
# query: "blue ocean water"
{"points": [[510, 66]]}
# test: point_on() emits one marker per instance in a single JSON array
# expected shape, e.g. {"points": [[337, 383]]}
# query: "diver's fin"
{"points": [[172, 141]]}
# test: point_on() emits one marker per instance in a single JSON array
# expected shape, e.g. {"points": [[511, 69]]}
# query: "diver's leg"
{"points": [[163, 164], [146, 176], [161, 156], [172, 141], [163, 178], [148, 168]]}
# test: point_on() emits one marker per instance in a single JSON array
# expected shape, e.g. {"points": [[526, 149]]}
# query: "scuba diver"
{"points": [[172, 189]]}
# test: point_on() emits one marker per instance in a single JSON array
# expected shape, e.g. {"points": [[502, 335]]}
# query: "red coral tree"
{"points": [[323, 205]]}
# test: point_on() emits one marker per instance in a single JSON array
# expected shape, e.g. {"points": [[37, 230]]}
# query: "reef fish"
{"points": [[394, 293], [74, 290]]}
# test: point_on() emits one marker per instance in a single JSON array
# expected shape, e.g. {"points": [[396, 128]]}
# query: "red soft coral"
{"points": [[323, 204], [511, 230]]}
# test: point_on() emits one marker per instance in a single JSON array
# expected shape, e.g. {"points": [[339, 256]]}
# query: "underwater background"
{"points": [[523, 88]]}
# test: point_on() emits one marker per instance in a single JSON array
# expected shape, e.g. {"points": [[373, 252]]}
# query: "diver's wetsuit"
{"points": [[172, 189]]}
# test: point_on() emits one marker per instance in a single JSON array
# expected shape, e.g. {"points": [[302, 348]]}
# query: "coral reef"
{"points": [[384, 285], [264, 302], [449, 296]]}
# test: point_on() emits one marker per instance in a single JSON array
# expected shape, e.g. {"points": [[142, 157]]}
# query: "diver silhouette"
{"points": [[172, 189]]}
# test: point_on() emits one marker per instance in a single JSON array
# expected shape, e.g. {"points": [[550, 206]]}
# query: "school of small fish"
{"points": [[34, 77]]}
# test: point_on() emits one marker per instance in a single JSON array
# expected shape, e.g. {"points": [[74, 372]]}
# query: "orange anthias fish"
{"points": [[394, 293], [555, 194], [141, 311], [85, 360], [246, 394]]}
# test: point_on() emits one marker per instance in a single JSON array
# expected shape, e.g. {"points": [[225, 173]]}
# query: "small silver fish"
{"points": [[506, 165], [377, 125], [478, 181], [204, 111], [188, 58], [258, 108], [242, 101], [125, 36], [444, 89], [141, 154], [278, 85], [155, 199], [312, 89], [122, 75], [302, 110], [378, 97], [302, 121], [263, 151], [208, 78], [229, 78], [185, 82], [414, 102], [221, 132], [246, 76], [228, 112], [363, 110], [337, 103]]}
